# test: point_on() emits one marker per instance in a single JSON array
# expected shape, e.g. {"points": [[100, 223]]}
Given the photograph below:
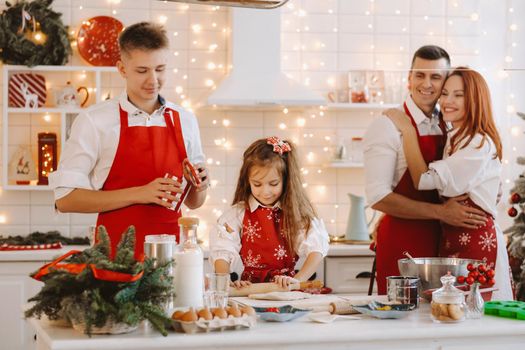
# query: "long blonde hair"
{"points": [[296, 207], [478, 112]]}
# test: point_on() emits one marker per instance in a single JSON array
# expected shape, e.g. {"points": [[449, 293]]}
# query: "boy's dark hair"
{"points": [[143, 36], [430, 52]]}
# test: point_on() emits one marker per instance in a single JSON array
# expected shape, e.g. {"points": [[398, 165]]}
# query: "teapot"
{"points": [[68, 96], [357, 226]]}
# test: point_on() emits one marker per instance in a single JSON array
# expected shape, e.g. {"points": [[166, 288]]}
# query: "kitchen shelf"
{"points": [[361, 106], [345, 165], [66, 114]]}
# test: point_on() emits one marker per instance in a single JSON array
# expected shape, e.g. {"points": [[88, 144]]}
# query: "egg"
{"points": [[219, 312], [190, 316], [248, 310], [177, 315], [205, 314], [234, 311]]}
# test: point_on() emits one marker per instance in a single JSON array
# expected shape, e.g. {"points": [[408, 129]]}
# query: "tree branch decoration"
{"points": [[75, 292], [31, 34]]}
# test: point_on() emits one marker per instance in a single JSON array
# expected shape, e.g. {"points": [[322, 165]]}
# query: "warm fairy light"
{"points": [[508, 59], [511, 109], [301, 122], [285, 110], [310, 157], [214, 183], [321, 190], [282, 126], [196, 28], [179, 89], [114, 12], [474, 16], [211, 66], [47, 118], [163, 19], [513, 27], [209, 82], [226, 122], [214, 121], [3, 219], [209, 161], [515, 131]]}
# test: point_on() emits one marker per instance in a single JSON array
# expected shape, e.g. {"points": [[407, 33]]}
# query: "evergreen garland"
{"points": [[44, 238], [16, 48], [516, 245], [96, 302]]}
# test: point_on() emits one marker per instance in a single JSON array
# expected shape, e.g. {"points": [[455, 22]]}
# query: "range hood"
{"points": [[255, 78]]}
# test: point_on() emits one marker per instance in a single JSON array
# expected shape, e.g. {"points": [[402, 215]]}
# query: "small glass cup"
{"points": [[216, 288]]}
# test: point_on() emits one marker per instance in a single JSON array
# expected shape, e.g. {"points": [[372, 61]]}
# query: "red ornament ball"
{"points": [[482, 279], [461, 279], [490, 273], [471, 267], [515, 198], [512, 212]]}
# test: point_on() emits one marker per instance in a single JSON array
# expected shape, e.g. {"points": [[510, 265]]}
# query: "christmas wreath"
{"points": [[32, 34]]}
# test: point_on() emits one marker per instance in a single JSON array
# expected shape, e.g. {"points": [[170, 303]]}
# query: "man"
{"points": [[412, 218], [119, 150]]}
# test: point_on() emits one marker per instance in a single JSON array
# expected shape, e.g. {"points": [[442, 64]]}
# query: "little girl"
{"points": [[271, 221], [471, 165]]}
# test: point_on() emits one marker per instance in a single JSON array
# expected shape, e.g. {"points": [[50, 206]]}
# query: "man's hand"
{"points": [[157, 189], [456, 214], [202, 175]]}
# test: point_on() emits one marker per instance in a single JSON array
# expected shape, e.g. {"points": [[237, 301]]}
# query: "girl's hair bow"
{"points": [[279, 146]]}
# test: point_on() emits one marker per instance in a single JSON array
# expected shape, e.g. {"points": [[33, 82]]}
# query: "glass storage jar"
{"points": [[448, 302]]}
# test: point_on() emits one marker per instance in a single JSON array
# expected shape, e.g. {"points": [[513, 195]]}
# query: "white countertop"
{"points": [[415, 331], [48, 255]]}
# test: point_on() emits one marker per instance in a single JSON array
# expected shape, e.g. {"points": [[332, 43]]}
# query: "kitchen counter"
{"points": [[49, 254], [416, 331]]}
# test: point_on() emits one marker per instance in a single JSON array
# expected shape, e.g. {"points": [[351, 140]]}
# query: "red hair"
{"points": [[478, 112]]}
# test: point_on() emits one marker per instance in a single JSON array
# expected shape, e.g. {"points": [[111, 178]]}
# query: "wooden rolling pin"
{"points": [[257, 288]]}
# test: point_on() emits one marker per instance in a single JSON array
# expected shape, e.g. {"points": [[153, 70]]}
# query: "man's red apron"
{"points": [[418, 237], [264, 249], [143, 154]]}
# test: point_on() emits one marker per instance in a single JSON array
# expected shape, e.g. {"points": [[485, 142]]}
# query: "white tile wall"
{"points": [[331, 39]]}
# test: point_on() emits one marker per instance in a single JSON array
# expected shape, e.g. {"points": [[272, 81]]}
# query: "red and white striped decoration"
{"points": [[36, 85], [6, 246]]}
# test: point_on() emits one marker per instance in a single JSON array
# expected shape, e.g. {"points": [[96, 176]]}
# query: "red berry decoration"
{"points": [[490, 273], [515, 198], [474, 274], [491, 282], [482, 279], [469, 280], [512, 212], [461, 279], [482, 268], [470, 267]]}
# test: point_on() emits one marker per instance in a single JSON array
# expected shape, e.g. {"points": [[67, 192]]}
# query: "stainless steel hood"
{"points": [[255, 78]]}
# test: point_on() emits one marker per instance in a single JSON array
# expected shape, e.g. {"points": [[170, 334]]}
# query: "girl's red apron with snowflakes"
{"points": [[143, 154], [264, 249], [418, 237], [480, 243]]}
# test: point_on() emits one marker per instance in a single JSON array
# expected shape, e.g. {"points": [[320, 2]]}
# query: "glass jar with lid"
{"points": [[448, 302]]}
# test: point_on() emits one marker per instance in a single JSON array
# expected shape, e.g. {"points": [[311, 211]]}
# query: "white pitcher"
{"points": [[357, 227]]}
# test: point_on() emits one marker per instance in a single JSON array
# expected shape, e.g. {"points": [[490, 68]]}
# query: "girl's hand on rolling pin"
{"points": [[240, 284], [284, 281]]}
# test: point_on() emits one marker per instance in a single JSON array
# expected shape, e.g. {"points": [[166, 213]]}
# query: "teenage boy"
{"points": [[119, 150]]}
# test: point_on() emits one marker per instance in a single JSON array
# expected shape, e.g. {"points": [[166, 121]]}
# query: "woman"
{"points": [[471, 165]]}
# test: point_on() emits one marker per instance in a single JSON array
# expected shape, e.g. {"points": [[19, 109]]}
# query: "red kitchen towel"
{"points": [[6, 246], [27, 90]]}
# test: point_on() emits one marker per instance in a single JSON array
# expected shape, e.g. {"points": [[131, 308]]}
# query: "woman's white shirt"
{"points": [[90, 150], [225, 245], [472, 170]]}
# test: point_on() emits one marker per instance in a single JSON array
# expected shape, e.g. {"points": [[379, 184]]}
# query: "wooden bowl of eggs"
{"points": [[215, 319]]}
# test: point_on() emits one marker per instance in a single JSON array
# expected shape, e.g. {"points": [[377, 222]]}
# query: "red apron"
{"points": [[264, 251], [480, 243], [143, 154], [418, 237]]}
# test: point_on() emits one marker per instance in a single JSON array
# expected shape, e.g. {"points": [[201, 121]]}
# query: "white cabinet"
{"points": [[22, 125], [15, 288], [348, 274]]}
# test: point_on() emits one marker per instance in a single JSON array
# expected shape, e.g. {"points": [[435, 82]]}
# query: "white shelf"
{"points": [[360, 106], [65, 113], [67, 110], [345, 165], [27, 188]]}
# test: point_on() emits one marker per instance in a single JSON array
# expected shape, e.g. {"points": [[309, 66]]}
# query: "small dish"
{"points": [[375, 309], [280, 314]]}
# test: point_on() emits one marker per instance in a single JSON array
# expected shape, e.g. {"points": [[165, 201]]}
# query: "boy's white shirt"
{"points": [[226, 245], [90, 150]]}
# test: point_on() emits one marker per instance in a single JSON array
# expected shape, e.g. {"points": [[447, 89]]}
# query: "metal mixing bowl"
{"points": [[430, 270]]}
